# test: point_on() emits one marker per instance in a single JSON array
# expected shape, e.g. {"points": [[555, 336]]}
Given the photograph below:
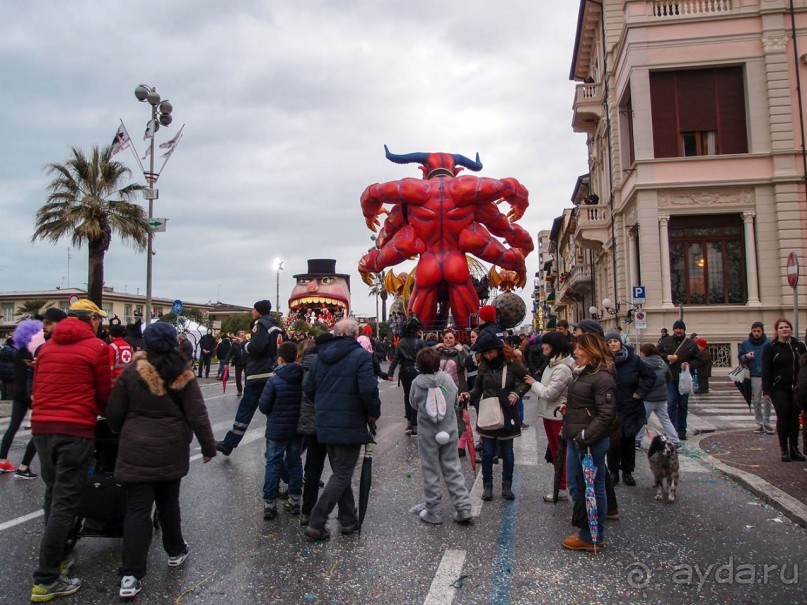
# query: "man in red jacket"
{"points": [[72, 382]]}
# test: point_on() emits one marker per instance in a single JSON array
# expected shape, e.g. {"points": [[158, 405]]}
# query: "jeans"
{"points": [[18, 410], [221, 368], [315, 454], [338, 490], [520, 409], [576, 481], [660, 408], [245, 412], [276, 451], [677, 407], [239, 373], [489, 450], [138, 526], [65, 462], [762, 407]]}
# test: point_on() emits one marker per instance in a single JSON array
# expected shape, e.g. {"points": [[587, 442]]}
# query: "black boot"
{"points": [[487, 492], [785, 455], [795, 454], [507, 491]]}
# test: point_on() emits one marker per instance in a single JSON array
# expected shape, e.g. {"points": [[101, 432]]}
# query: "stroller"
{"points": [[103, 500]]}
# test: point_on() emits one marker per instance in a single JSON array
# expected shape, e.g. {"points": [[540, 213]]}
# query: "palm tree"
{"points": [[32, 307], [89, 202], [379, 289]]}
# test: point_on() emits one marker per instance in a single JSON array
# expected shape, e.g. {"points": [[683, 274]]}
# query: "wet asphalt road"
{"points": [[717, 543]]}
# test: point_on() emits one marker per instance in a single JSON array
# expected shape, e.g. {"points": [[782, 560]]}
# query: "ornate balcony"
{"points": [[666, 9], [588, 107], [581, 277], [593, 225]]}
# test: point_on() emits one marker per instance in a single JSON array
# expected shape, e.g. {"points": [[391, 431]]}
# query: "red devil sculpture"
{"points": [[441, 218]]}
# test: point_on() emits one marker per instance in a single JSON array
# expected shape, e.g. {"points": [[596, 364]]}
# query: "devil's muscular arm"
{"points": [[405, 191], [498, 224], [473, 190], [404, 245], [395, 220]]}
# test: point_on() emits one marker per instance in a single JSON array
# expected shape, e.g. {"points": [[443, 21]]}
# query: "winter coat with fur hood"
{"points": [[155, 434]]}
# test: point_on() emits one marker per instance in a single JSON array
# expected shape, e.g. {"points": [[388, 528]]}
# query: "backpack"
{"points": [[436, 403]]}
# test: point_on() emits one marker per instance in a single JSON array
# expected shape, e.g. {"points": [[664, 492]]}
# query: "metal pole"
{"points": [[796, 311], [149, 253], [277, 293]]}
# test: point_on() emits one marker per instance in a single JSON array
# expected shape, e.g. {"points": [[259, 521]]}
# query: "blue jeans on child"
{"points": [[275, 452]]}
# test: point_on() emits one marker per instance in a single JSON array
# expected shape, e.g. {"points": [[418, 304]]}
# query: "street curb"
{"points": [[792, 508]]}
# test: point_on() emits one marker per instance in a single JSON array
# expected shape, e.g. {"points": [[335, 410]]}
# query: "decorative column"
{"points": [[751, 276], [633, 261], [664, 241]]}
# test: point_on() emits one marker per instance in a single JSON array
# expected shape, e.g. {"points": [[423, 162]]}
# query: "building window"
{"points": [[698, 112], [8, 313], [127, 313], [64, 305], [707, 260], [108, 309]]}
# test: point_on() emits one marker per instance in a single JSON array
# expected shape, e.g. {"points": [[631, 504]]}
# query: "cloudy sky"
{"points": [[287, 108]]}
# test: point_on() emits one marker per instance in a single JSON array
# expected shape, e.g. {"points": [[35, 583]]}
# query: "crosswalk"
{"points": [[722, 408]]}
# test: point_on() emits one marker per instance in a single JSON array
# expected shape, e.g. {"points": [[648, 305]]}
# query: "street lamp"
{"points": [[595, 313], [160, 114], [277, 265]]}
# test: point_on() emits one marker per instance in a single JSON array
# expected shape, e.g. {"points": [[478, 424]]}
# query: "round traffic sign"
{"points": [[72, 299], [176, 308], [793, 270]]}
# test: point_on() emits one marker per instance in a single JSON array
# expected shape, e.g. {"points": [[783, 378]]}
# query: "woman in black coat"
{"points": [[405, 354], [634, 381], [780, 368], [157, 407]]}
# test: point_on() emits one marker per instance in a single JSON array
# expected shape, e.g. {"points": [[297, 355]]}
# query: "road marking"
{"points": [[23, 519], [527, 448], [476, 494], [443, 586], [249, 437], [502, 573]]}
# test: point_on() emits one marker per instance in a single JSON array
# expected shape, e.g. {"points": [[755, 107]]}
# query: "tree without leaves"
{"points": [[88, 203]]}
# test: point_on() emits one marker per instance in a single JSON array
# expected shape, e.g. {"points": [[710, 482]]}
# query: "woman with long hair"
{"points": [[551, 391], [157, 407], [587, 419], [497, 362], [780, 369]]}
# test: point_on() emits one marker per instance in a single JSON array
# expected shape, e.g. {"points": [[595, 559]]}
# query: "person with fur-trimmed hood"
{"points": [[157, 407]]}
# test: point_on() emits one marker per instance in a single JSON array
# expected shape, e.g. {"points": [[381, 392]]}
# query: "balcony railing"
{"points": [[685, 8], [593, 224], [581, 274], [588, 106]]}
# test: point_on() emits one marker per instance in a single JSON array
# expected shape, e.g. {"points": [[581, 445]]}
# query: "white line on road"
{"points": [[442, 590], [476, 493], [23, 519]]}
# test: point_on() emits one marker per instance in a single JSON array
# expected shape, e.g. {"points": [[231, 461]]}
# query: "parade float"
{"points": [[320, 296]]}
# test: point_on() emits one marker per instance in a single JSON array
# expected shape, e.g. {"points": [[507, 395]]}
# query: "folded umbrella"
{"points": [[469, 437], [589, 474], [366, 480], [225, 374], [560, 467]]}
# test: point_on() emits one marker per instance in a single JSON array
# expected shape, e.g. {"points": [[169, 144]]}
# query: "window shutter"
{"points": [[662, 106], [733, 129]]}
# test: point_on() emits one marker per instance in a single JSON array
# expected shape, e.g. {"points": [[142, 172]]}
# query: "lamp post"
{"points": [[160, 114], [595, 313], [277, 265]]}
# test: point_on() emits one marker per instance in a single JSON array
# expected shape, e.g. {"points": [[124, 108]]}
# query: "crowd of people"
{"points": [[321, 398]]}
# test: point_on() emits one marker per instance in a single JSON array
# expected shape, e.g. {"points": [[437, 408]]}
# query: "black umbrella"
{"points": [[366, 480], [741, 377], [559, 461]]}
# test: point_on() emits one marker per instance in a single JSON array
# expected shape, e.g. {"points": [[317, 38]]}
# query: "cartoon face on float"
{"points": [[321, 286]]}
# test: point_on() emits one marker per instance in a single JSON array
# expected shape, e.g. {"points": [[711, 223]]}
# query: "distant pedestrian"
{"points": [[185, 349], [120, 351], [71, 387], [280, 401], [702, 368], [207, 346], [679, 352], [564, 330], [405, 354], [157, 407], [438, 437], [222, 351], [344, 389], [750, 354], [780, 367], [238, 358]]}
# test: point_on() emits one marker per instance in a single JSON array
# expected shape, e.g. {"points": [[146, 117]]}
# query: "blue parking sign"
{"points": [[638, 295]]}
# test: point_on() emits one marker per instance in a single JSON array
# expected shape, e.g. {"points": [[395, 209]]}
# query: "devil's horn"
{"points": [[461, 160], [408, 158]]}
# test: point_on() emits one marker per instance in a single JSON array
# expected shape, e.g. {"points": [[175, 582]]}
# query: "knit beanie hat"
{"points": [[679, 324], [612, 334], [758, 324], [264, 307], [160, 337], [367, 330], [487, 313]]}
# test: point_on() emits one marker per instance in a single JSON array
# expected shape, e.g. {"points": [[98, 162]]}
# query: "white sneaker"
{"points": [[129, 587], [563, 495], [179, 559]]}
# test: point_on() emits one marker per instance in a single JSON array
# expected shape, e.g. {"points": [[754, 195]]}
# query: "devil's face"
{"points": [[313, 292], [439, 164]]}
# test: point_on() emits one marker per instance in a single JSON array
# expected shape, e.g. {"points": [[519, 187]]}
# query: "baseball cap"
{"points": [[85, 307]]}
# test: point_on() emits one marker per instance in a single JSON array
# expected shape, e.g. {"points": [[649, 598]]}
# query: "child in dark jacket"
{"points": [[280, 401]]}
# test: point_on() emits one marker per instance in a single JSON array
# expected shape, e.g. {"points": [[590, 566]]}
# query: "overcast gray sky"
{"points": [[287, 107]]}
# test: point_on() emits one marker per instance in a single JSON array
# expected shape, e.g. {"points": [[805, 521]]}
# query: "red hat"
{"points": [[487, 313], [701, 342], [367, 330]]}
